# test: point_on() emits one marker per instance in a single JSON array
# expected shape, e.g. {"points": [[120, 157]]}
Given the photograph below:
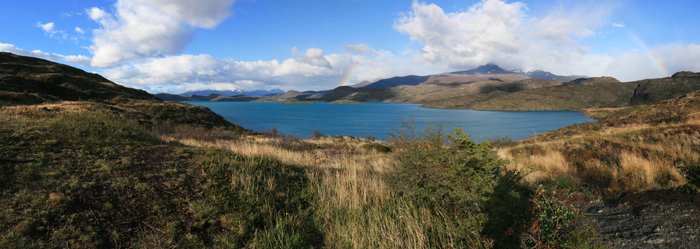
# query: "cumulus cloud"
{"points": [[10, 48], [309, 70], [71, 59], [46, 27], [494, 31], [146, 28], [79, 30]]}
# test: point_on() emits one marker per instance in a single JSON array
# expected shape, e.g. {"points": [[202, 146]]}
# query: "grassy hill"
{"points": [[655, 141], [573, 96], [655, 90], [28, 80]]}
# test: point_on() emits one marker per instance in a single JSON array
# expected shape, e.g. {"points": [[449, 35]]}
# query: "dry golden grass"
{"points": [[632, 157], [539, 167], [601, 111], [354, 204]]}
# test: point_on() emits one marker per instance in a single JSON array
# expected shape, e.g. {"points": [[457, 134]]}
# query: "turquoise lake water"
{"points": [[380, 119]]}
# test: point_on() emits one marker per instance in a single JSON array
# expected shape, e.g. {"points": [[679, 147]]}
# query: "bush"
{"points": [[508, 211], [447, 174], [556, 222], [554, 218]]}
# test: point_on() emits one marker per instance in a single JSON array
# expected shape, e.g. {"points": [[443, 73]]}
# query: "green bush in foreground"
{"points": [[448, 174], [486, 205]]}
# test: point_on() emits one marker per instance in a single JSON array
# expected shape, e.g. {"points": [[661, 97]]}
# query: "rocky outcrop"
{"points": [[686, 75], [654, 219], [655, 90]]}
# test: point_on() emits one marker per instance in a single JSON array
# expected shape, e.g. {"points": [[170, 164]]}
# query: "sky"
{"points": [[182, 45]]}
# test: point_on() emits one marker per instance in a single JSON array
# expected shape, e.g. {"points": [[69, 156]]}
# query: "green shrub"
{"points": [[447, 174], [508, 210], [556, 222]]}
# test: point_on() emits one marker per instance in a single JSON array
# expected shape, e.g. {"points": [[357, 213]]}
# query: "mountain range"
{"points": [[409, 80], [490, 87], [487, 87]]}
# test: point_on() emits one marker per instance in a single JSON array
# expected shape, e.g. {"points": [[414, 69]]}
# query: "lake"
{"points": [[379, 119]]}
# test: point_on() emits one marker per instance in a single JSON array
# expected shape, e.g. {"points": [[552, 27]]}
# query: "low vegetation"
{"points": [[123, 171], [91, 178], [633, 149]]}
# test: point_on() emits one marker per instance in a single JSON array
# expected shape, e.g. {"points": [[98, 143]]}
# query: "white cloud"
{"points": [[310, 70], [10, 48], [46, 27], [494, 31], [147, 28], [79, 30], [198, 13], [71, 59], [617, 25], [97, 14], [52, 32]]}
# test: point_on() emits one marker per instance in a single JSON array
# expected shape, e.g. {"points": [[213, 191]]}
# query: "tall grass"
{"points": [[617, 159], [354, 207]]}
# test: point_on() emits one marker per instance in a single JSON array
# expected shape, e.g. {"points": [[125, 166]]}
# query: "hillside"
{"points": [[636, 151], [655, 90], [574, 95], [28, 80], [397, 81], [490, 87]]}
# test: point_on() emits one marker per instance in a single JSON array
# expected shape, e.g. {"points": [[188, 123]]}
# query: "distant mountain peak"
{"points": [[488, 68]]}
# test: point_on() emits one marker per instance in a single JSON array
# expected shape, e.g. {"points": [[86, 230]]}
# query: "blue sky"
{"points": [[179, 45]]}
